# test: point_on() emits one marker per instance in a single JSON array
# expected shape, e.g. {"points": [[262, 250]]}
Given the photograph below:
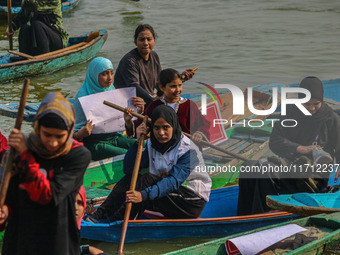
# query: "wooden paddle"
{"points": [[9, 19], [7, 167], [132, 187], [204, 143]]}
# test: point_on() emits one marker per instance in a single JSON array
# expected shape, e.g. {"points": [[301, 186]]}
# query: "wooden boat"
{"points": [[327, 223], [242, 141], [306, 204], [66, 6], [217, 219], [80, 49]]}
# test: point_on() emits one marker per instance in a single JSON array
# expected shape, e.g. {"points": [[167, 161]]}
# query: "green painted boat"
{"points": [[80, 49], [329, 224]]}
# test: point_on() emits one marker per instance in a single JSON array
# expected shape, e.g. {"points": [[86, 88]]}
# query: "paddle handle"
{"points": [[9, 19], [122, 109], [132, 187], [194, 70], [7, 168], [205, 143]]}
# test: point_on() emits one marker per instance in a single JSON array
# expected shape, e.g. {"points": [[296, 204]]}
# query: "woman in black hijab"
{"points": [[174, 185], [295, 146]]}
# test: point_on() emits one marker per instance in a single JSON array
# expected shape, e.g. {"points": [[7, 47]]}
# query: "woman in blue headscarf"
{"points": [[98, 79]]}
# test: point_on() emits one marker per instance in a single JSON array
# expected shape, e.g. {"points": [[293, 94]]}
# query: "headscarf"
{"points": [[315, 87], [91, 86], [170, 116], [82, 193], [308, 127], [54, 103]]}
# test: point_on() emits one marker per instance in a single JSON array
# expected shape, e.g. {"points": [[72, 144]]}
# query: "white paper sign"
{"points": [[252, 244], [105, 118]]}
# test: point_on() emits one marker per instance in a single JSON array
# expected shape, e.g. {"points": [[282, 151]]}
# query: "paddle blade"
{"points": [[92, 36]]}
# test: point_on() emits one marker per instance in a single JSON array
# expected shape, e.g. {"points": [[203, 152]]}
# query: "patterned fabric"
{"points": [[91, 86], [54, 102]]}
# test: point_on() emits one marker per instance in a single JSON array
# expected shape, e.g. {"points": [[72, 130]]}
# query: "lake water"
{"points": [[240, 42]]}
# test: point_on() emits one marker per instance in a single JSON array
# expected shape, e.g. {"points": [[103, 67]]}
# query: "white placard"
{"points": [[106, 118], [252, 244]]}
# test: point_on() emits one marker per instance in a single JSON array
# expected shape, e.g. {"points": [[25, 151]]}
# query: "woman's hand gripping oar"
{"points": [[132, 187], [8, 160], [204, 143]]}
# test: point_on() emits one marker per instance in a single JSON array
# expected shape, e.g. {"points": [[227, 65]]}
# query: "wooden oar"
{"points": [[140, 116], [7, 167], [194, 70], [21, 54], [132, 187], [9, 19]]}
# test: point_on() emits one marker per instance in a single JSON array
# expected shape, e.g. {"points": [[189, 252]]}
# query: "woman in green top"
{"points": [[41, 28]]}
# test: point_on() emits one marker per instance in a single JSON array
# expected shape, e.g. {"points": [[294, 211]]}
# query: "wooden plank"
{"points": [[21, 54]]}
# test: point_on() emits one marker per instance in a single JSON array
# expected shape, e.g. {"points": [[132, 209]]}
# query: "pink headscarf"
{"points": [[82, 193]]}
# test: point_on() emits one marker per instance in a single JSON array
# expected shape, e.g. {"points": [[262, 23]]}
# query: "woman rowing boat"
{"points": [[40, 203], [174, 185], [41, 27]]}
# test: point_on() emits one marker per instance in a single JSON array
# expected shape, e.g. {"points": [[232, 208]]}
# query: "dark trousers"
{"points": [[38, 38], [182, 203], [253, 191]]}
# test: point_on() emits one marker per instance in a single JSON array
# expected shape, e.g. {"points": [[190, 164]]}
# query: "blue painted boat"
{"points": [[217, 219], [306, 204], [66, 6], [79, 49]]}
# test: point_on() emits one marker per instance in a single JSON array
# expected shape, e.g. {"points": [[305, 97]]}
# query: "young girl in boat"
{"points": [[140, 67], [174, 185], [294, 146], [40, 203], [190, 118], [41, 27], [98, 79]]}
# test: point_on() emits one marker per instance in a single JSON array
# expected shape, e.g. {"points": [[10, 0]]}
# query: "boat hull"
{"points": [[322, 221], [306, 204], [217, 219]]}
